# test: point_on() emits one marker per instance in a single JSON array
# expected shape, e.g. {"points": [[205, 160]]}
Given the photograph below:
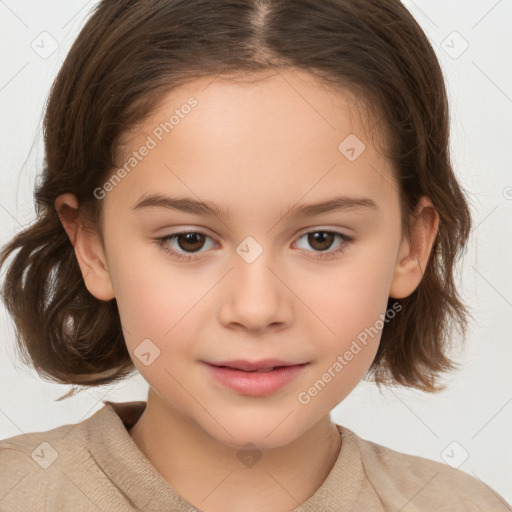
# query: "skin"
{"points": [[257, 148]]}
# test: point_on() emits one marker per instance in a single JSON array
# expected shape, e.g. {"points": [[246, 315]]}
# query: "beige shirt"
{"points": [[95, 465]]}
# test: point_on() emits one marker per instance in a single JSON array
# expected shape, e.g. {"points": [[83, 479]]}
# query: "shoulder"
{"points": [[412, 483], [38, 468], [75, 467], [43, 448], [28, 466]]}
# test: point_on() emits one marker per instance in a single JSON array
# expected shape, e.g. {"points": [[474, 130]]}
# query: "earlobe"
{"points": [[89, 250], [414, 253]]}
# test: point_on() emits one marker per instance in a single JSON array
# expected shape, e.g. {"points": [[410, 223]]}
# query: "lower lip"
{"points": [[255, 383]]}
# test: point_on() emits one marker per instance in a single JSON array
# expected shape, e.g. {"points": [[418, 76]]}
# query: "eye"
{"points": [[187, 241], [321, 240], [191, 242]]}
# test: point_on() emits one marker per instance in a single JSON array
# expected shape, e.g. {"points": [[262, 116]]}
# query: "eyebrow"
{"points": [[189, 205]]}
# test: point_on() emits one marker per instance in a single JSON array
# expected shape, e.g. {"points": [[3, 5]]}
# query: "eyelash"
{"points": [[319, 255]]}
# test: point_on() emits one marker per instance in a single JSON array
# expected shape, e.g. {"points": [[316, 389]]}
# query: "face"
{"points": [[252, 279]]}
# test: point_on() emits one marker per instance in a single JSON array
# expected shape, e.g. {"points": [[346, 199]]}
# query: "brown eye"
{"points": [[190, 241], [321, 240], [186, 245], [323, 243]]}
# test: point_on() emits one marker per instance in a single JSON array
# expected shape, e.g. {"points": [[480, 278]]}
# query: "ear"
{"points": [[88, 247], [413, 254]]}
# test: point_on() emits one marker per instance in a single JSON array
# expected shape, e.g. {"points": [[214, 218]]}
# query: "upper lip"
{"points": [[248, 366]]}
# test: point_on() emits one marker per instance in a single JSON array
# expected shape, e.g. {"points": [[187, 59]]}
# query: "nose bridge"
{"points": [[255, 297], [251, 271], [252, 267]]}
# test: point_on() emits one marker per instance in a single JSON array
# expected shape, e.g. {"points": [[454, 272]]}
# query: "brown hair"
{"points": [[128, 54]]}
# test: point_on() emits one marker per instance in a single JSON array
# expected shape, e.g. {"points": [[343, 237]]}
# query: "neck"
{"points": [[219, 478]]}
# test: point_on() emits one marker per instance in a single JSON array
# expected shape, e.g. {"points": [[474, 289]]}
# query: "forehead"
{"points": [[254, 102], [272, 133]]}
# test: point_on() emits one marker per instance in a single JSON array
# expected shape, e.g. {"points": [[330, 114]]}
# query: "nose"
{"points": [[255, 296]]}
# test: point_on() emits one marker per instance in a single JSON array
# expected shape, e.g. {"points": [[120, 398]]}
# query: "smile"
{"points": [[255, 382]]}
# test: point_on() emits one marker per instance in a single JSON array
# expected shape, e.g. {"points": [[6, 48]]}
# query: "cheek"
{"points": [[154, 311], [349, 309], [347, 299], [149, 290], [159, 304]]}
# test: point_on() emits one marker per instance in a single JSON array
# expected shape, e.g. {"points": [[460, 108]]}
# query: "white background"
{"points": [[475, 411]]}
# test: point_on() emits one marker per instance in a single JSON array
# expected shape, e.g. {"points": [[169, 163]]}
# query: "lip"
{"points": [[249, 366], [254, 383]]}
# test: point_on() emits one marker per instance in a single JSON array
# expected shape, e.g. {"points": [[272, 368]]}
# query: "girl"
{"points": [[251, 203]]}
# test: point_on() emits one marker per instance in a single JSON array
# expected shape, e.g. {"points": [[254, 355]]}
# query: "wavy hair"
{"points": [[130, 53]]}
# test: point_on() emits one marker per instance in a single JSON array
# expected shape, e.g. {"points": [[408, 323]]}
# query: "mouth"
{"points": [[266, 365], [255, 378], [262, 370]]}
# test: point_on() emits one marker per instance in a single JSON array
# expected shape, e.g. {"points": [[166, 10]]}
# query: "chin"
{"points": [[265, 433]]}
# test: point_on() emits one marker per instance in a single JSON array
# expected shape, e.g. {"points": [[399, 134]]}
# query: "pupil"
{"points": [[322, 237], [190, 238]]}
